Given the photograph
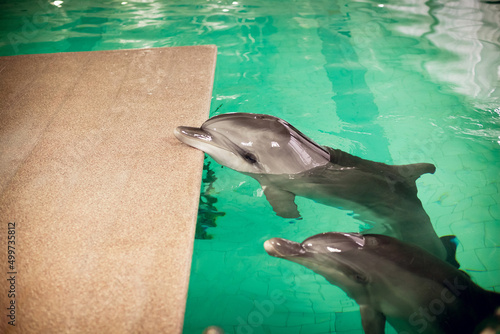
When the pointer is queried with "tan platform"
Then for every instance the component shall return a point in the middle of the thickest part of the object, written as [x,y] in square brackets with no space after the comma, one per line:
[104,198]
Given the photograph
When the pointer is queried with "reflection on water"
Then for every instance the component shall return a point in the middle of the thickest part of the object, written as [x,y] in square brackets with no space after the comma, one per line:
[207,212]
[471,32]
[464,40]
[354,101]
[466,36]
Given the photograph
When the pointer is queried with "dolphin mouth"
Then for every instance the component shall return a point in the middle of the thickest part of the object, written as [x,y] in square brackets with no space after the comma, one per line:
[283,248]
[186,134]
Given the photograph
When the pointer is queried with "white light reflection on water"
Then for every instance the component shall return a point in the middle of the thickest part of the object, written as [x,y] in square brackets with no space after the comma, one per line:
[57,3]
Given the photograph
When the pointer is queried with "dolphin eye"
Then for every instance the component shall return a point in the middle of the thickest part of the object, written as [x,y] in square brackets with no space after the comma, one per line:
[360,278]
[250,158]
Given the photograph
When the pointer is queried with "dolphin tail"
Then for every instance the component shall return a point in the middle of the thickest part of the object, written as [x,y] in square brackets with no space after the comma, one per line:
[450,243]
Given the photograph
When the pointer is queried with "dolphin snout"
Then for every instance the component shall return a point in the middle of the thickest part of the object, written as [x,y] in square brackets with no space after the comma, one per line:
[189,135]
[283,248]
[178,132]
[183,131]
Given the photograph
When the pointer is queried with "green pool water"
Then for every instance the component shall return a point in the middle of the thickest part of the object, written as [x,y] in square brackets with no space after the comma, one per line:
[391,81]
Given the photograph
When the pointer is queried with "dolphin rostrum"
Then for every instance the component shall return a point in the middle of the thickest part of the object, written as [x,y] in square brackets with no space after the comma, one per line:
[394,281]
[287,163]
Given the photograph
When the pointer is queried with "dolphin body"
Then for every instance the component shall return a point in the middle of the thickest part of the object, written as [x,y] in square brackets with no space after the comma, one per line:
[394,281]
[286,163]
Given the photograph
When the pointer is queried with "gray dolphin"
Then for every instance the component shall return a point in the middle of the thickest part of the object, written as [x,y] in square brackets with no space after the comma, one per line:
[394,281]
[287,163]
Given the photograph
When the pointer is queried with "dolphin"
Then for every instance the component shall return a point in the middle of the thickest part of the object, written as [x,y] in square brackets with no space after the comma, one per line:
[287,163]
[391,280]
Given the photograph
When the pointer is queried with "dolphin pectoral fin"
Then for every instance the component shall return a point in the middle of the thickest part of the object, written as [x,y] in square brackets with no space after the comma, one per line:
[373,321]
[282,202]
[450,243]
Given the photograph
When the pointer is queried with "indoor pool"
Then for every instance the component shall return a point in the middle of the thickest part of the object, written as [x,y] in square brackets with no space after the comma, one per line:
[397,82]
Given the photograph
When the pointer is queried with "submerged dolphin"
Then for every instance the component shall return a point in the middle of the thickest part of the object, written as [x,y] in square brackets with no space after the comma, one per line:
[287,163]
[394,281]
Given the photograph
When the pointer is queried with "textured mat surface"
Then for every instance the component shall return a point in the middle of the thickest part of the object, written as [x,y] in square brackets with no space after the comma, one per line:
[103,197]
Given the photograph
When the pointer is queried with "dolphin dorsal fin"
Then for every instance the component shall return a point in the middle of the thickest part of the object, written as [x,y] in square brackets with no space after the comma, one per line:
[393,174]
[413,171]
